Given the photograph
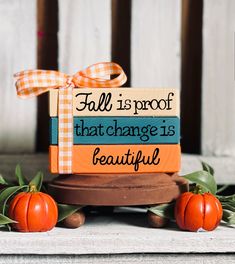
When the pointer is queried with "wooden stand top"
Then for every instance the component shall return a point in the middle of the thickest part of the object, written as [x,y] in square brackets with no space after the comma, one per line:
[117,189]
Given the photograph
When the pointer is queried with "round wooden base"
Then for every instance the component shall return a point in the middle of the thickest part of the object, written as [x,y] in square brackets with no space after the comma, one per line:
[117,189]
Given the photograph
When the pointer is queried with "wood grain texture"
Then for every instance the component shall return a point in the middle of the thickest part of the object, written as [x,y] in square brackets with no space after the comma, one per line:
[137,258]
[155,38]
[17,52]
[163,102]
[114,235]
[121,130]
[218,101]
[136,158]
[84,33]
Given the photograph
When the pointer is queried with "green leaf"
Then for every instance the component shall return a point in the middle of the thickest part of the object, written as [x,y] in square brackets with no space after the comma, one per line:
[204,179]
[229,217]
[5,228]
[20,178]
[37,181]
[65,210]
[164,210]
[228,206]
[7,193]
[3,181]
[207,167]
[4,220]
[229,198]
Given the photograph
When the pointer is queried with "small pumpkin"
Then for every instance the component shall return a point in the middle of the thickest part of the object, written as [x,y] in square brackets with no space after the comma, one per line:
[194,212]
[33,211]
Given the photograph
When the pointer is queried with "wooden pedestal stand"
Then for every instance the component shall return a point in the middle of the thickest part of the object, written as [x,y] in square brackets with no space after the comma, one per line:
[117,189]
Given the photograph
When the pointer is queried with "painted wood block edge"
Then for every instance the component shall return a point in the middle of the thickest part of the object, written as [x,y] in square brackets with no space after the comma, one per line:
[121,158]
[120,102]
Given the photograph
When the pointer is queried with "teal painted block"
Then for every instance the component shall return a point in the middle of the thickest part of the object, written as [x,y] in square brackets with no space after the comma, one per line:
[121,130]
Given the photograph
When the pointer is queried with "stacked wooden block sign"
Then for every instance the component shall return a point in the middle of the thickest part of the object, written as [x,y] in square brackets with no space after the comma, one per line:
[125,143]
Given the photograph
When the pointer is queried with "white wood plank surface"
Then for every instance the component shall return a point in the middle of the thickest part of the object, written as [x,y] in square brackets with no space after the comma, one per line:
[120,259]
[17,52]
[218,85]
[84,33]
[118,233]
[155,40]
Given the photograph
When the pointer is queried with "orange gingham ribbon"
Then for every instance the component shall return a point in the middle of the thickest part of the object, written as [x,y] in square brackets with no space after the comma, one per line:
[35,82]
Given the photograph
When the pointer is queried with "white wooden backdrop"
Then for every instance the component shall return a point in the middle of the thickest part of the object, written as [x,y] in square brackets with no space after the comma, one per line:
[85,38]
[84,33]
[17,52]
[155,38]
[218,86]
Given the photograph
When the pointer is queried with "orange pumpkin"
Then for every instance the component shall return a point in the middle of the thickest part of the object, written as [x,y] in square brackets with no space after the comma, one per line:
[34,212]
[198,211]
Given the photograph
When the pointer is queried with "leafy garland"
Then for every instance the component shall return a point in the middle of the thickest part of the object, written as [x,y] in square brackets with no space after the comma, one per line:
[205,181]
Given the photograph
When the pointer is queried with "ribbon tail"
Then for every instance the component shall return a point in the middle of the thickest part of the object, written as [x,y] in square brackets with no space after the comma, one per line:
[65,130]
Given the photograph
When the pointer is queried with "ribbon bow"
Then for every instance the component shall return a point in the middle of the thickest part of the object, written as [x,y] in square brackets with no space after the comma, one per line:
[35,82]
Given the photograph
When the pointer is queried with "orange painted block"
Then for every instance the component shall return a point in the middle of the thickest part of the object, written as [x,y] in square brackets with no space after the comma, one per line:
[121,158]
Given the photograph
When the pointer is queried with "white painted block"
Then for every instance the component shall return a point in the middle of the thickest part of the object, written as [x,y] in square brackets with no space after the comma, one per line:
[120,102]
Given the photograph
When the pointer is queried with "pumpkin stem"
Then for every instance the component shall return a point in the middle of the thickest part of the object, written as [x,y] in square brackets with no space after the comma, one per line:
[198,189]
[32,188]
